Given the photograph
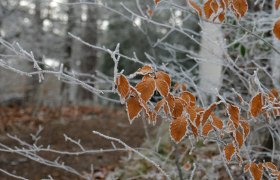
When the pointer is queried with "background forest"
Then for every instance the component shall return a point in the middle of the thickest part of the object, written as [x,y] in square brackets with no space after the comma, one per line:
[62,112]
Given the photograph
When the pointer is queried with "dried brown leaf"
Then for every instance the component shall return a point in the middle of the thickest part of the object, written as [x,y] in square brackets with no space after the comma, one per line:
[178,128]
[256,105]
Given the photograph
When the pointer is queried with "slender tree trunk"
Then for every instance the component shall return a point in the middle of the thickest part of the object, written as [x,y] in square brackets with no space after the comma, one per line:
[65,89]
[88,54]
[210,69]
[34,85]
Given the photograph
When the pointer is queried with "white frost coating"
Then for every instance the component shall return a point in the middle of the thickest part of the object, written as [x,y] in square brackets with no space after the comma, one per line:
[275,58]
[211,53]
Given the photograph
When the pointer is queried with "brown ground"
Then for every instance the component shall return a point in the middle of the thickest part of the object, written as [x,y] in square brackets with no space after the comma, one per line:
[77,123]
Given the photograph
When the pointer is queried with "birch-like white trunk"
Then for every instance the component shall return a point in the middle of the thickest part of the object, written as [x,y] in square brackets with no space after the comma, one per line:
[211,53]
[275,59]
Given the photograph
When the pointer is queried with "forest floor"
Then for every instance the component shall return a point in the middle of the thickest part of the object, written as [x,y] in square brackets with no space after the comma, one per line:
[77,123]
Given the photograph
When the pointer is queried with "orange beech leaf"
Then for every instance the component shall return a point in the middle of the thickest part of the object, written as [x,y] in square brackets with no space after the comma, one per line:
[208,112]
[206,129]
[224,4]
[256,105]
[238,137]
[240,7]
[178,108]
[194,129]
[188,97]
[214,5]
[162,87]
[246,128]
[198,119]
[229,151]
[164,76]
[150,12]
[176,86]
[273,95]
[184,87]
[122,86]
[195,6]
[234,114]
[145,70]
[239,158]
[275,173]
[159,105]
[170,102]
[152,117]
[147,88]
[166,109]
[133,108]
[276,29]
[222,16]
[217,122]
[208,11]
[156,1]
[255,171]
[246,167]
[270,165]
[192,113]
[187,166]
[276,4]
[178,128]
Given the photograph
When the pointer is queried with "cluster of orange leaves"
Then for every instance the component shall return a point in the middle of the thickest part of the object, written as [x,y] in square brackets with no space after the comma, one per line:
[216,10]
[188,118]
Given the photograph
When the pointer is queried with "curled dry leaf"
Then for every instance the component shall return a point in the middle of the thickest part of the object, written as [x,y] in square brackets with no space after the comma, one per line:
[246,167]
[150,12]
[273,95]
[187,166]
[188,97]
[162,87]
[122,86]
[222,16]
[192,113]
[147,88]
[276,29]
[194,129]
[246,128]
[178,128]
[208,112]
[159,105]
[217,122]
[240,7]
[178,108]
[276,4]
[234,114]
[206,129]
[133,108]
[229,151]
[238,138]
[256,171]
[215,6]
[164,76]
[224,4]
[208,11]
[156,1]
[256,105]
[270,165]
[145,70]
[195,6]
[198,119]
[170,102]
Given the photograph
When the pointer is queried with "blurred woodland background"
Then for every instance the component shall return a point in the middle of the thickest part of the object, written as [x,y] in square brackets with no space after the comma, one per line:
[73,43]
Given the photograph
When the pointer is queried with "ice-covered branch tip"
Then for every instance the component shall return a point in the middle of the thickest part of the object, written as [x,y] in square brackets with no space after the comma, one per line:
[133,150]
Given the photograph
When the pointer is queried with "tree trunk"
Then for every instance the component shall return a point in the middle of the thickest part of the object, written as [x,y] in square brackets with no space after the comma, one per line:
[210,69]
[88,54]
